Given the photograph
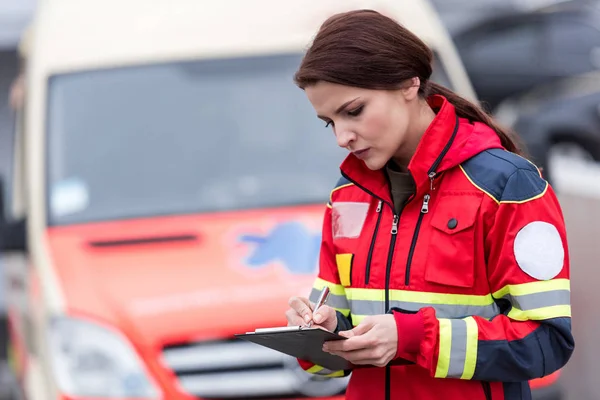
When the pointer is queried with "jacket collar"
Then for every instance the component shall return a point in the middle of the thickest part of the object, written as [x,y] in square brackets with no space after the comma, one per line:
[447,142]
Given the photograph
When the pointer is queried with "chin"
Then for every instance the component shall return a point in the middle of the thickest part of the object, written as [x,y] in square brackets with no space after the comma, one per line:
[374,164]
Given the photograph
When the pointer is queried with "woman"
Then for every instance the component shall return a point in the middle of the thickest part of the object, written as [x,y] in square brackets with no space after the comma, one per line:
[445,250]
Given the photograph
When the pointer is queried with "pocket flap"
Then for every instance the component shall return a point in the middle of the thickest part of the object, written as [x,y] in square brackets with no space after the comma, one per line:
[455,213]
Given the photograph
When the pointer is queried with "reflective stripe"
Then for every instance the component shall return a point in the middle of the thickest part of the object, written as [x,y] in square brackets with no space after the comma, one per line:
[533,287]
[420,297]
[458,348]
[336,301]
[337,295]
[365,308]
[538,300]
[335,288]
[443,363]
[540,314]
[318,370]
[365,302]
[472,345]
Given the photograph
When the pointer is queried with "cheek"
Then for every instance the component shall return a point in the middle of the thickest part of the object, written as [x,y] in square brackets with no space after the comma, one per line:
[377,126]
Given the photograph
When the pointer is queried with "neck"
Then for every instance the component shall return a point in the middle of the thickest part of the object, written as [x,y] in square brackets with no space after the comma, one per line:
[423,118]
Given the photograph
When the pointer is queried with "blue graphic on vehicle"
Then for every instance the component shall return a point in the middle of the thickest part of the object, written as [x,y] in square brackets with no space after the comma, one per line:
[290,243]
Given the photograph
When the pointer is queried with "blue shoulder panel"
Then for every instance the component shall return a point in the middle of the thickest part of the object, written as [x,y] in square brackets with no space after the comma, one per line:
[341,182]
[505,176]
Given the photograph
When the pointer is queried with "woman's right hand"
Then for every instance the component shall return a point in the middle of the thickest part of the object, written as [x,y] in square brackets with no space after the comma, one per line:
[300,313]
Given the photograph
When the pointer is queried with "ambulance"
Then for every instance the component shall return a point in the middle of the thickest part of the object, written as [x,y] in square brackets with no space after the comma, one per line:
[168,191]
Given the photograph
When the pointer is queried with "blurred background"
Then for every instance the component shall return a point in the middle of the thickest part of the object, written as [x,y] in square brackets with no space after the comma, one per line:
[128,129]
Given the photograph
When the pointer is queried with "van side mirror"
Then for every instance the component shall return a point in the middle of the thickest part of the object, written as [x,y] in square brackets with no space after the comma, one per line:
[12,232]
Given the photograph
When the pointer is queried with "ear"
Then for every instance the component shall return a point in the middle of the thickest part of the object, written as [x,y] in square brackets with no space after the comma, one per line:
[411,90]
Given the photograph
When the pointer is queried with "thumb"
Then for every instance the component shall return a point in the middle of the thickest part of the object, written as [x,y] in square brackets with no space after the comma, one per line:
[362,328]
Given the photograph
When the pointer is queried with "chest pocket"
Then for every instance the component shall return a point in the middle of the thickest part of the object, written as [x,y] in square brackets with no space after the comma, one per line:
[451,255]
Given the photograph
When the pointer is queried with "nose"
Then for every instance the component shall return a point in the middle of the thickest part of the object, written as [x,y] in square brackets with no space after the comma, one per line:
[344,137]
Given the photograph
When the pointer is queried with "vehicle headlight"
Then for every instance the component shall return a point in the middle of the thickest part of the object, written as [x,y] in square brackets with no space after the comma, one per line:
[91,360]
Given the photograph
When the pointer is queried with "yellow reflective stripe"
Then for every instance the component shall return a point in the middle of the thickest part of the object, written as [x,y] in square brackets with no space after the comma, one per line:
[318,370]
[334,288]
[363,302]
[419,297]
[540,314]
[472,341]
[533,287]
[457,353]
[365,294]
[335,374]
[314,369]
[445,347]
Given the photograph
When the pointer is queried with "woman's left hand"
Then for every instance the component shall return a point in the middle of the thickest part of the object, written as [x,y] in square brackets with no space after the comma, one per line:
[374,341]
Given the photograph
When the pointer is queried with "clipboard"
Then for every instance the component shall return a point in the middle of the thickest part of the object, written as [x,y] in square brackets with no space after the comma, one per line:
[300,342]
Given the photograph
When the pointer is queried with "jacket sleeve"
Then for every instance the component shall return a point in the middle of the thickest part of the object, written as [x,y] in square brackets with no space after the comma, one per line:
[328,276]
[528,273]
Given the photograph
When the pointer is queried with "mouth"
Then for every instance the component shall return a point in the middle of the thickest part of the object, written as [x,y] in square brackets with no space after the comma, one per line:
[361,153]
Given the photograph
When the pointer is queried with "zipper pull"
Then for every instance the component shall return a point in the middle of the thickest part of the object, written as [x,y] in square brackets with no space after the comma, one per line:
[425,206]
[432,175]
[379,205]
[395,225]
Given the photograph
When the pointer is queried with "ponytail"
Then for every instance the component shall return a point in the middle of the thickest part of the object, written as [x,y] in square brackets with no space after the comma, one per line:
[465,109]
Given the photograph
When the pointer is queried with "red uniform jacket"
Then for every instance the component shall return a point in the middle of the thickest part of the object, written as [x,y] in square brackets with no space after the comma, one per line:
[475,269]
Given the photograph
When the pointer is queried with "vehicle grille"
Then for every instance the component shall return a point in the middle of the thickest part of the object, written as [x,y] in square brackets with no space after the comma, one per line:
[235,369]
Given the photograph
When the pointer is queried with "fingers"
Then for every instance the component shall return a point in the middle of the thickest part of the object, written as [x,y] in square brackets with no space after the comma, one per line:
[352,344]
[293,318]
[376,357]
[303,308]
[324,314]
[365,326]
[358,338]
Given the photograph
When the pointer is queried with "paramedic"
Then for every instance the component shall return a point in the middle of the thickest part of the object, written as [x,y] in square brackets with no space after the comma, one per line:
[443,247]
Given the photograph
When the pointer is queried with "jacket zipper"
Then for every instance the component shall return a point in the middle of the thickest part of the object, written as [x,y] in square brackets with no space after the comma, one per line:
[432,173]
[413,243]
[388,267]
[487,390]
[370,255]
[425,207]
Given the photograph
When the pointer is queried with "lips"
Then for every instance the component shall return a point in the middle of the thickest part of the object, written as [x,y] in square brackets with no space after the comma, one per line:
[361,153]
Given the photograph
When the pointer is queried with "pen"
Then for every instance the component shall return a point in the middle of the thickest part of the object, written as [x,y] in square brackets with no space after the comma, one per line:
[320,302]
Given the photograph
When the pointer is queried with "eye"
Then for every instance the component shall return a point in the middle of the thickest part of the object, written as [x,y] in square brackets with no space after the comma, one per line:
[356,112]
[329,123]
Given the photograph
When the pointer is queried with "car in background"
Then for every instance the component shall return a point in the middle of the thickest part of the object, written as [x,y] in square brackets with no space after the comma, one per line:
[560,121]
[511,53]
[460,15]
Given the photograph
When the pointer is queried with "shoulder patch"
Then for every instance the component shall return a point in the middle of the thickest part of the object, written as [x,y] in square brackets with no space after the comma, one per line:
[539,250]
[505,176]
[341,183]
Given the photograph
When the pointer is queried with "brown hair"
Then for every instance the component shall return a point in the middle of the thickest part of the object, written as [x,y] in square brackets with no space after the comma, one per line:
[366,49]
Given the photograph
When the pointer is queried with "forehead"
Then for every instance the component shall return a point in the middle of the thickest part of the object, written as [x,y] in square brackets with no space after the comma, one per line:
[326,97]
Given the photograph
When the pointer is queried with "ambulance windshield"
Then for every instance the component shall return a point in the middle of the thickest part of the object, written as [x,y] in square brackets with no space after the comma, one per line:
[189,137]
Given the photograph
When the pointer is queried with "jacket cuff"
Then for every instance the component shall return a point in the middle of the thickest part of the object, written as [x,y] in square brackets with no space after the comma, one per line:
[411,330]
[343,323]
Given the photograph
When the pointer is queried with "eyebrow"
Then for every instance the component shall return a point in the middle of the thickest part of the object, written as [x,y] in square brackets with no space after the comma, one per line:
[340,108]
